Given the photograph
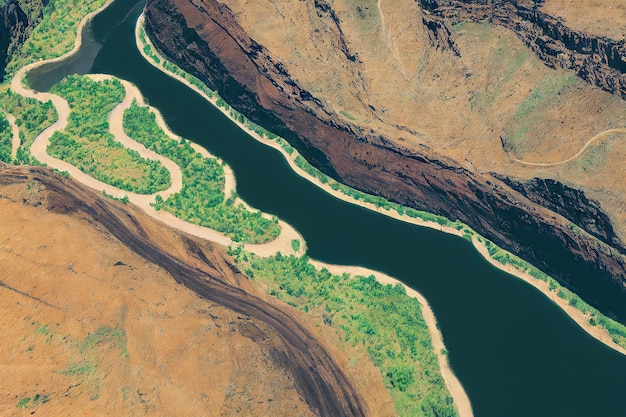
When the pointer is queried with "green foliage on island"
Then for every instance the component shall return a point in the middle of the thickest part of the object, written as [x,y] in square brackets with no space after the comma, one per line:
[6,143]
[382,319]
[201,201]
[87,143]
[55,34]
[31,116]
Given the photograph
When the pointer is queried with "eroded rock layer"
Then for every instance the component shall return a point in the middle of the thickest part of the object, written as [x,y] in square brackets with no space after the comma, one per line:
[129,249]
[206,39]
[597,59]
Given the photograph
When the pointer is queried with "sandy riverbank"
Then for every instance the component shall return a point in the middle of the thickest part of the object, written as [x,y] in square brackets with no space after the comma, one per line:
[281,244]
[461,400]
[581,319]
[454,386]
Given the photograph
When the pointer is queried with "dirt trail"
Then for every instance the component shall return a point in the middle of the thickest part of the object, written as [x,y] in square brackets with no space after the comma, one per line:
[589,142]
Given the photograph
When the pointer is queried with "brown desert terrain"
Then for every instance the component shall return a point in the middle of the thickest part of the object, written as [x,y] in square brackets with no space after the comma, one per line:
[110,312]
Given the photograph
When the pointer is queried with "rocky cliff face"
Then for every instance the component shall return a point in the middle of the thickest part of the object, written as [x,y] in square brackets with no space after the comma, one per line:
[205,38]
[599,60]
[18,20]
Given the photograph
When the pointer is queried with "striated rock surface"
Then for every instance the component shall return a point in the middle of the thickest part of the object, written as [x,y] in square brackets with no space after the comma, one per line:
[597,59]
[400,161]
[113,344]
[18,20]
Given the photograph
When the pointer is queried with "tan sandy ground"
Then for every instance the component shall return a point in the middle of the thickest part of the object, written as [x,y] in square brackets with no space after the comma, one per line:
[600,135]
[15,135]
[599,17]
[64,277]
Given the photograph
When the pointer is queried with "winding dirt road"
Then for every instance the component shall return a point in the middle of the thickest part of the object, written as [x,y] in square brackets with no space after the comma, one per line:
[580,152]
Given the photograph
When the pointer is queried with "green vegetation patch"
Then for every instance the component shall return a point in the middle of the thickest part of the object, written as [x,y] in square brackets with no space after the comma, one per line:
[6,144]
[114,336]
[381,318]
[31,116]
[201,201]
[54,36]
[87,143]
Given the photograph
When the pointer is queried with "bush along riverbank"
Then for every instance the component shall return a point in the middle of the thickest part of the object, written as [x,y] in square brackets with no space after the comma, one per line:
[381,319]
[589,318]
[87,143]
[202,200]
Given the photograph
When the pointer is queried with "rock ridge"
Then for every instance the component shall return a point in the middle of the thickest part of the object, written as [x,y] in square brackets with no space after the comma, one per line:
[212,45]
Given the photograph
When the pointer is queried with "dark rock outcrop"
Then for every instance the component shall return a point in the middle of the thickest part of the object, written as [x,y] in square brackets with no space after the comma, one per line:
[206,40]
[16,25]
[570,203]
[596,59]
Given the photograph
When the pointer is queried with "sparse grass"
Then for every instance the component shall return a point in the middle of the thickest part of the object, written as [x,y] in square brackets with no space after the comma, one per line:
[114,336]
[544,95]
[81,369]
[23,403]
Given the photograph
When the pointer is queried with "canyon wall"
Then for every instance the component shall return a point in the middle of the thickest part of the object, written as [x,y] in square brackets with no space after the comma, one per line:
[18,20]
[597,59]
[205,38]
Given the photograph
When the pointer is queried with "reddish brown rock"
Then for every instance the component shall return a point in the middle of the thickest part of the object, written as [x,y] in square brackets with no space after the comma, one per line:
[205,38]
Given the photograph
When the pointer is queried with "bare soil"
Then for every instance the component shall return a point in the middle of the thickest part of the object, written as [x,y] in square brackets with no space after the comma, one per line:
[91,327]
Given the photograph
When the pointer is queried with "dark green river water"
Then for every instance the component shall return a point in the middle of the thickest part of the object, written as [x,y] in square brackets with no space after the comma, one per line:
[514,351]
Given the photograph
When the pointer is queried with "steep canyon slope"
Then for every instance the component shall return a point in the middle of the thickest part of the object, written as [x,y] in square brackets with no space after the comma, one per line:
[467,109]
[96,320]
[19,17]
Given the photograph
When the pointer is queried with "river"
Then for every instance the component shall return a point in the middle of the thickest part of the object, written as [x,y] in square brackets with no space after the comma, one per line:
[514,351]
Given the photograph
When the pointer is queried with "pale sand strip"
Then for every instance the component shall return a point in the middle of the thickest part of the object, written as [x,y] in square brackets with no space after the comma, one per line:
[15,135]
[230,184]
[454,386]
[38,150]
[461,400]
[598,332]
[116,127]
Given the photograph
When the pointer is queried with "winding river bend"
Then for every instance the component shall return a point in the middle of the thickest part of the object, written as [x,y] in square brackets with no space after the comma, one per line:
[515,352]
